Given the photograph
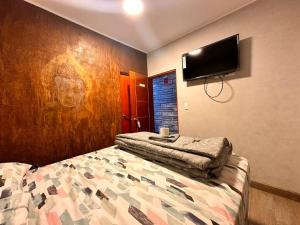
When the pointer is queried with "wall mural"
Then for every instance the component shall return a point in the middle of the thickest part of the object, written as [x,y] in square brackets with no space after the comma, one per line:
[70,89]
[66,89]
[59,86]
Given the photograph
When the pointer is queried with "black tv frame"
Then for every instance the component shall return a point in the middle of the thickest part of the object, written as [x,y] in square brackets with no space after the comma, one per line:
[222,72]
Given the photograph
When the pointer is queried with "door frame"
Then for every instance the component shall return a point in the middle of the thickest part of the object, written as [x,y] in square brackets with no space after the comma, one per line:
[133,95]
[151,103]
[125,74]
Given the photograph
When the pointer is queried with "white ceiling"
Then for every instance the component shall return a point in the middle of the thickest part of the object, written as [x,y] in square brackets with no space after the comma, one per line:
[162,21]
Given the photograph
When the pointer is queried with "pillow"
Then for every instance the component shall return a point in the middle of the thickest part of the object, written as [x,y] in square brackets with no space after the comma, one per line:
[11,177]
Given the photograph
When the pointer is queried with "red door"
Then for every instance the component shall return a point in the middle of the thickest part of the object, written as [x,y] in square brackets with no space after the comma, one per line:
[139,102]
[125,103]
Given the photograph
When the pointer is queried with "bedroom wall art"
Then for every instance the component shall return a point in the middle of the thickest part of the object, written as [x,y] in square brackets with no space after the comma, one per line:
[59,85]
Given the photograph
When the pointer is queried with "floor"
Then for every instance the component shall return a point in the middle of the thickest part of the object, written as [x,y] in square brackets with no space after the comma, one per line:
[269,209]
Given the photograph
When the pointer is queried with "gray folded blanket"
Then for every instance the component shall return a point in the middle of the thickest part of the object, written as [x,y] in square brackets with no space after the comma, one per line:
[201,157]
[171,138]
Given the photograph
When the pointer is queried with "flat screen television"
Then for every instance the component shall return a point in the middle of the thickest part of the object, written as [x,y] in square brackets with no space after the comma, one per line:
[219,58]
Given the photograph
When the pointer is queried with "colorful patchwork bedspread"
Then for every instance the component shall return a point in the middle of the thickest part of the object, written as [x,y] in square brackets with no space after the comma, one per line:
[111,186]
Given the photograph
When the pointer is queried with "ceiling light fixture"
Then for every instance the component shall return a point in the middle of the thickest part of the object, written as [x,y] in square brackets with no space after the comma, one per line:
[133,7]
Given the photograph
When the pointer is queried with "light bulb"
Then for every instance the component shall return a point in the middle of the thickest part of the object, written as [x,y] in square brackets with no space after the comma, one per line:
[133,7]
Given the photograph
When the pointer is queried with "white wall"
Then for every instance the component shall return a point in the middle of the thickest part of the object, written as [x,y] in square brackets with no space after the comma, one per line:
[262,115]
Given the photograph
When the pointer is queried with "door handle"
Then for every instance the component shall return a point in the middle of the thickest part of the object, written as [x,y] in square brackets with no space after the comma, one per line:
[138,123]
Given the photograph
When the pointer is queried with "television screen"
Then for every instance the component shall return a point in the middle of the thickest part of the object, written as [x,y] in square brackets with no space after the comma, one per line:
[219,58]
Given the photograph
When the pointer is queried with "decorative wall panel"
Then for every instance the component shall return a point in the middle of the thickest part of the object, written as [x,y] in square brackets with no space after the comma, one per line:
[59,85]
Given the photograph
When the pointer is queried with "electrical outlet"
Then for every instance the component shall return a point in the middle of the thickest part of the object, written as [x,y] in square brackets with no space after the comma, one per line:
[186,106]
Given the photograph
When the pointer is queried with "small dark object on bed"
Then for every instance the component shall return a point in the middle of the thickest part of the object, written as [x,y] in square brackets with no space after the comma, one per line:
[34,168]
[169,139]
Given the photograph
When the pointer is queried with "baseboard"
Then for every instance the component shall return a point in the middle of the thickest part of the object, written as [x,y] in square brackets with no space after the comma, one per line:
[277,191]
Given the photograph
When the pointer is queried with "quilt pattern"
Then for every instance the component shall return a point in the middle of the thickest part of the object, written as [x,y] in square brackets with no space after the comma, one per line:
[114,187]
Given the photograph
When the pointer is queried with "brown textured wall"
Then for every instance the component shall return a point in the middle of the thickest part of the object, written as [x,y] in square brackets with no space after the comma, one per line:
[59,85]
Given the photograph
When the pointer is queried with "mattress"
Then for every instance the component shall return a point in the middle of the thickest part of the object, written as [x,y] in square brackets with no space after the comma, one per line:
[111,186]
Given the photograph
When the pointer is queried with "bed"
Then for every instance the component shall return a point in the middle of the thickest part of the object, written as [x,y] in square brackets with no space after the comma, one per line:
[111,186]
